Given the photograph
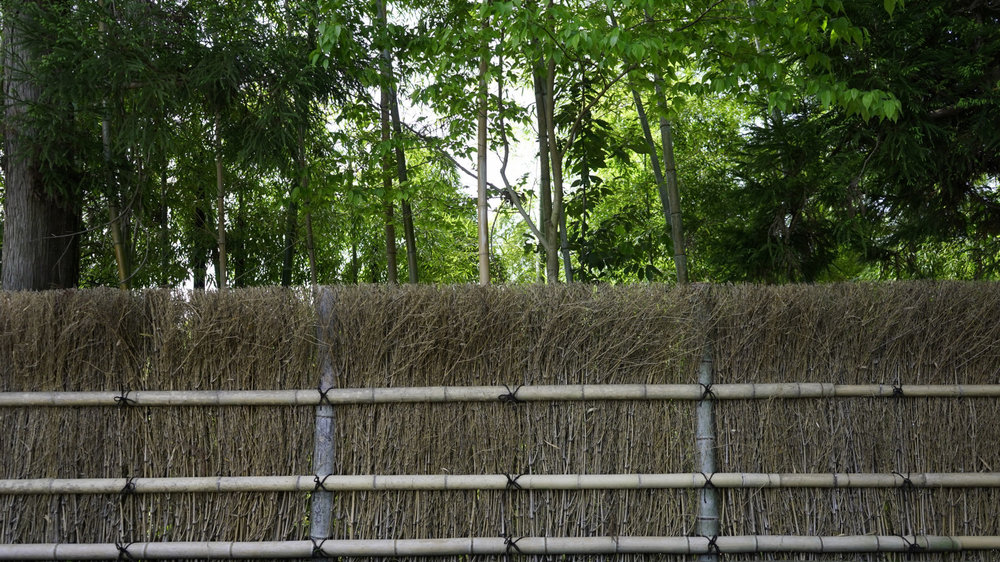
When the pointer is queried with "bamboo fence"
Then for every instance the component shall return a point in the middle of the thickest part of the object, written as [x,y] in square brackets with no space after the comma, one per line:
[535,393]
[937,343]
[538,546]
[444,482]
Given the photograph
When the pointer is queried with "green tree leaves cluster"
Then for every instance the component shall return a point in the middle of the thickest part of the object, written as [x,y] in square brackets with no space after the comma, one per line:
[769,140]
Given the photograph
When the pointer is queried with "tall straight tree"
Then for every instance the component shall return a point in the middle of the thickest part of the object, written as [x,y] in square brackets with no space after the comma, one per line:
[482,216]
[389,82]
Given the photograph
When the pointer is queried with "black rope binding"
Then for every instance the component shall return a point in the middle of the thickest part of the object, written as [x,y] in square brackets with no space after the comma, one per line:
[708,481]
[512,481]
[324,397]
[912,547]
[320,485]
[122,399]
[317,548]
[713,547]
[897,391]
[128,489]
[123,553]
[707,392]
[907,483]
[510,543]
[511,396]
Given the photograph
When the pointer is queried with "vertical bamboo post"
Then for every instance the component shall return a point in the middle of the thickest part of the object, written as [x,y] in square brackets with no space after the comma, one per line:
[708,507]
[321,516]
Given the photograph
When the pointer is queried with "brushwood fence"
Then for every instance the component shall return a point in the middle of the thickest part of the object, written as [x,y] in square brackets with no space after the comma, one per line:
[639,422]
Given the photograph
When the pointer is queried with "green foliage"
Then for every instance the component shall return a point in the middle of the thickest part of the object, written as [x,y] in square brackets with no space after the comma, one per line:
[815,139]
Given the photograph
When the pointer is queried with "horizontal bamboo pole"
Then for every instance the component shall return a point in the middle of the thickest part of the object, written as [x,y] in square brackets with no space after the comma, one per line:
[576,392]
[499,546]
[497,482]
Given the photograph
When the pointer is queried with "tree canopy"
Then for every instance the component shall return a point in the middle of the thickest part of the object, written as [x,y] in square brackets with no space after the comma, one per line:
[260,142]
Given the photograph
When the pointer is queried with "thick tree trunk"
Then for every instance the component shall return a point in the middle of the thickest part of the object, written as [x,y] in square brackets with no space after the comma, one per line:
[41,245]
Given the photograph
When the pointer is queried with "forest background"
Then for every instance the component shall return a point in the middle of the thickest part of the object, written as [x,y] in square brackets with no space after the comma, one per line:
[260,142]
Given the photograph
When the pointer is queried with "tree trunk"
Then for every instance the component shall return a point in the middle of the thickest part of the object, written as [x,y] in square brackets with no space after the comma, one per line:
[557,232]
[673,194]
[114,215]
[238,245]
[164,217]
[41,245]
[291,239]
[409,235]
[220,186]
[199,245]
[482,201]
[389,101]
[545,178]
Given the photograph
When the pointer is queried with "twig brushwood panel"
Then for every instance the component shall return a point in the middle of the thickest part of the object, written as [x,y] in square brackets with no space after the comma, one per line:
[899,334]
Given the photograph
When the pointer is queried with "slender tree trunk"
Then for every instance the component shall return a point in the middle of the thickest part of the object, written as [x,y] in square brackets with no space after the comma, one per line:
[545,178]
[114,215]
[654,153]
[164,216]
[483,203]
[390,103]
[41,244]
[238,246]
[291,239]
[557,233]
[673,194]
[409,234]
[220,187]
[387,206]
[303,171]
[199,250]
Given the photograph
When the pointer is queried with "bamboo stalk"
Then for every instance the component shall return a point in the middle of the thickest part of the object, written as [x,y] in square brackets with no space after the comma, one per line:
[568,393]
[324,447]
[708,507]
[439,482]
[499,546]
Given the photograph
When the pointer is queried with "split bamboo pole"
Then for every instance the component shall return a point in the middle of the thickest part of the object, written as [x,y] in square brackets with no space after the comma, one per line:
[499,546]
[537,393]
[708,507]
[321,508]
[443,482]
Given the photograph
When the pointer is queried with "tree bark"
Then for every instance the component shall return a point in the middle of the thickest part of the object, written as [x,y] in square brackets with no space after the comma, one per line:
[41,244]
